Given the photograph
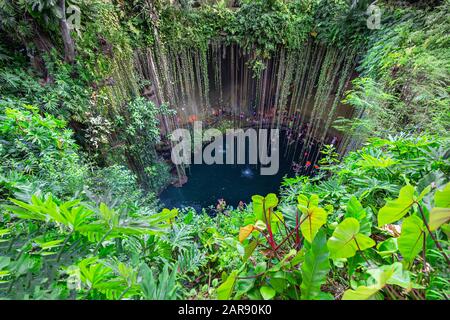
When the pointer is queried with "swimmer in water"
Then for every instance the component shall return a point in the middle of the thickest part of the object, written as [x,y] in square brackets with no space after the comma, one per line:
[247,173]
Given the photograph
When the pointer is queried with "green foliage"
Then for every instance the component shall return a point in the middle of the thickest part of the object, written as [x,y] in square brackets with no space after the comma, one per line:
[396,209]
[162,288]
[410,242]
[404,75]
[312,217]
[387,274]
[39,148]
[380,262]
[346,240]
[372,225]
[315,268]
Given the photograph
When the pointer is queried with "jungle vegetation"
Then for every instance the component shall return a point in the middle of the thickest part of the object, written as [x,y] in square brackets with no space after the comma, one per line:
[90,89]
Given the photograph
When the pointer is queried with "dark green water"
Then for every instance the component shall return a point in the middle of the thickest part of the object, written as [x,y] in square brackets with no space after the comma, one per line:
[233,183]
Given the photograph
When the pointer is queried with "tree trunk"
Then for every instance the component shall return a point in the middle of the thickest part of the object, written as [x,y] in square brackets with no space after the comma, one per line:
[69,45]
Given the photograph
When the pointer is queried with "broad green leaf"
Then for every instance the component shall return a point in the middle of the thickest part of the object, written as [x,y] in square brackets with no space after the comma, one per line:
[249,249]
[225,290]
[410,242]
[356,210]
[446,229]
[311,221]
[424,193]
[278,281]
[271,201]
[361,293]
[387,274]
[436,178]
[438,217]
[346,240]
[394,210]
[257,203]
[242,286]
[315,267]
[442,198]
[304,202]
[399,277]
[387,247]
[261,203]
[267,292]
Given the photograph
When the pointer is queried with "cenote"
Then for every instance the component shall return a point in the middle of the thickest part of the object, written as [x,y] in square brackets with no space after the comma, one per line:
[254,150]
[207,184]
[298,92]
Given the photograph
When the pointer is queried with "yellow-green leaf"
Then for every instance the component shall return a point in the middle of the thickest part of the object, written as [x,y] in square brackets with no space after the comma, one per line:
[387,274]
[394,210]
[225,290]
[442,198]
[361,293]
[267,292]
[410,242]
[438,217]
[346,240]
[311,221]
[304,202]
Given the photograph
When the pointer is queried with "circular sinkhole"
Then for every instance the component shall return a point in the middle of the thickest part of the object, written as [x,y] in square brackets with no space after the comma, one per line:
[207,184]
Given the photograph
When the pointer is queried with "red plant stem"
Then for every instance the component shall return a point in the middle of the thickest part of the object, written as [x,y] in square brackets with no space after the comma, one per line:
[424,250]
[284,240]
[286,229]
[297,226]
[269,229]
[362,254]
[438,245]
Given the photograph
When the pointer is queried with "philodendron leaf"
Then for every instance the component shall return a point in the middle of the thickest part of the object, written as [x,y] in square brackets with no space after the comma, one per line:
[387,247]
[267,292]
[380,277]
[261,203]
[315,267]
[311,221]
[356,210]
[304,202]
[438,217]
[225,290]
[446,229]
[410,242]
[400,277]
[361,293]
[249,249]
[346,240]
[441,213]
[257,203]
[394,210]
[442,198]
[271,201]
